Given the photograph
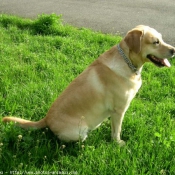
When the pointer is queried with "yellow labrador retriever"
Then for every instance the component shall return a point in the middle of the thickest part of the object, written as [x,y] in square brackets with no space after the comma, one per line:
[105,88]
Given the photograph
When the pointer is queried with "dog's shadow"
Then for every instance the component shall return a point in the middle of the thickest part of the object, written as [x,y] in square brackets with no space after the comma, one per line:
[42,146]
[33,146]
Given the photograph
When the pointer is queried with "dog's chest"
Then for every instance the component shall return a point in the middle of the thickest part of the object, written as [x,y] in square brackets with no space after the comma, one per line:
[132,88]
[124,92]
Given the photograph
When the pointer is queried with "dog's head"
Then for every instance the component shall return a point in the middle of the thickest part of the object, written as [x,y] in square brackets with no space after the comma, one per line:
[148,44]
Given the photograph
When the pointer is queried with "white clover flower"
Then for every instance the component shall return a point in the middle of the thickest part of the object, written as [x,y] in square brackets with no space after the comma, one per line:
[63,146]
[20,137]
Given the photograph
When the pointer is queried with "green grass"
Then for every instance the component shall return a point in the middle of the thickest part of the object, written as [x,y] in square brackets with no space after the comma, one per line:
[38,59]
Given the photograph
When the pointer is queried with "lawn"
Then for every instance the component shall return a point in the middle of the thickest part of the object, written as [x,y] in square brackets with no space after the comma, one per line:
[38,59]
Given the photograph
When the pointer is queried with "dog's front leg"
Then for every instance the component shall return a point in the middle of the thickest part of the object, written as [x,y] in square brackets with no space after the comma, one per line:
[116,124]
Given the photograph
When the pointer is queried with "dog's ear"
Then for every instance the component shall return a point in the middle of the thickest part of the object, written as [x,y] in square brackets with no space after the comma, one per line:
[133,40]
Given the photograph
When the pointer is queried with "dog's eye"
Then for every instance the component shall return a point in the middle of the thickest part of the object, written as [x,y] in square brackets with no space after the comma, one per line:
[156,42]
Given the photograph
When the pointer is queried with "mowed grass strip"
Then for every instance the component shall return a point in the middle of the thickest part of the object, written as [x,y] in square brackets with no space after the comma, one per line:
[38,59]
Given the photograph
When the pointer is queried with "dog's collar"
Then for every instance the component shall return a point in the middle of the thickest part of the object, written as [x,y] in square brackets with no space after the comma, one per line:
[128,61]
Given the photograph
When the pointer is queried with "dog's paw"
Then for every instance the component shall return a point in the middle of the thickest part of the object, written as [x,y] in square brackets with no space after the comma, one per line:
[121,143]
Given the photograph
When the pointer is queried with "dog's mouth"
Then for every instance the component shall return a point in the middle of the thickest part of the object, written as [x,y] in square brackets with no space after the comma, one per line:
[159,61]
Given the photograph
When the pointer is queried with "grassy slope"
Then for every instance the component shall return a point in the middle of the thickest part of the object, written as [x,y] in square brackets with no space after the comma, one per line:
[38,59]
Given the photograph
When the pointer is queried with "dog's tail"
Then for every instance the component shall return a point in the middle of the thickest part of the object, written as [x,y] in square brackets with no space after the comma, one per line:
[26,123]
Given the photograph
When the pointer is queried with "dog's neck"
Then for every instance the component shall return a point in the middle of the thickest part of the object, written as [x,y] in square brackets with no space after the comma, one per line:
[128,61]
